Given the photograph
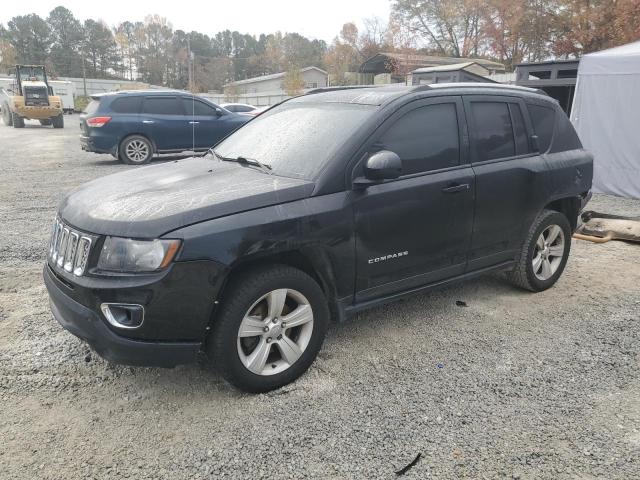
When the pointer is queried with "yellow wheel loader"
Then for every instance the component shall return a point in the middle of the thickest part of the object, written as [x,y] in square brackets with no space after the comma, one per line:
[31,97]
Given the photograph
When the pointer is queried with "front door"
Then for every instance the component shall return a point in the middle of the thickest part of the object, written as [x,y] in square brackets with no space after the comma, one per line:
[416,230]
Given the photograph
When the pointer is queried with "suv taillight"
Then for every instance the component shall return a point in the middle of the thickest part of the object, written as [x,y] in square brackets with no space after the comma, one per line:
[98,121]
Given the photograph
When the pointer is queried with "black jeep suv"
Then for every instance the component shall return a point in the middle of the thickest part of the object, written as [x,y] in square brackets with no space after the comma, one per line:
[327,204]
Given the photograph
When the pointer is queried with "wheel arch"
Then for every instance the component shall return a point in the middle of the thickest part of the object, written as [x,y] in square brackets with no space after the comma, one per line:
[312,261]
[569,207]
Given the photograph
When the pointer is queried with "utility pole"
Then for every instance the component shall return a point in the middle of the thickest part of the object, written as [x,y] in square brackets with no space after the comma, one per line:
[84,76]
[189,65]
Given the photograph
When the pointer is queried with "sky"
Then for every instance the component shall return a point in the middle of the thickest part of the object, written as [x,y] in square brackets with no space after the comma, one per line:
[316,20]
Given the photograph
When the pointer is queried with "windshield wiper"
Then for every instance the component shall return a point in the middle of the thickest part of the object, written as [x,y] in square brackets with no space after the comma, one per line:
[265,167]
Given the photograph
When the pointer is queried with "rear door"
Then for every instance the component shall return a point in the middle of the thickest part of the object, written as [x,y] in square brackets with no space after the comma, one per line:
[163,120]
[511,179]
[416,229]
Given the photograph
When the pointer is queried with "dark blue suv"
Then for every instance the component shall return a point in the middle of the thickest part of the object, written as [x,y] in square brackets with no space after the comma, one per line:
[135,125]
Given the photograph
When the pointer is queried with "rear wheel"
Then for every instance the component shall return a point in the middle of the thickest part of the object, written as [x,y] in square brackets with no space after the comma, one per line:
[58,122]
[7,117]
[135,150]
[17,120]
[270,328]
[544,253]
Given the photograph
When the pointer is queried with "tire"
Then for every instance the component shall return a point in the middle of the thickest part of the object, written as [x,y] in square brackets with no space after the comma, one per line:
[17,121]
[255,293]
[544,253]
[7,116]
[45,122]
[135,150]
[58,122]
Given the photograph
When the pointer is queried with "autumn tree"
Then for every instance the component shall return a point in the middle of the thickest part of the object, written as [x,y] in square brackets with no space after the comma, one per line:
[449,27]
[293,82]
[592,25]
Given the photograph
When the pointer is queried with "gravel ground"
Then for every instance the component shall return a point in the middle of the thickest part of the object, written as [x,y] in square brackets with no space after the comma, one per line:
[515,385]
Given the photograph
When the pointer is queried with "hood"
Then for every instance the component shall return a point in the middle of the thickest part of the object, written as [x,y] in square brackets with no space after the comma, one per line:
[151,201]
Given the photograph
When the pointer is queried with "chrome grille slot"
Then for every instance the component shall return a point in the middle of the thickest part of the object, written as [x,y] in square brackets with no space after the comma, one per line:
[69,249]
[63,246]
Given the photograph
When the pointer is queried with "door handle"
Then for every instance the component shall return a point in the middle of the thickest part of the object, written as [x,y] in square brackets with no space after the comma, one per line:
[194,123]
[148,121]
[456,188]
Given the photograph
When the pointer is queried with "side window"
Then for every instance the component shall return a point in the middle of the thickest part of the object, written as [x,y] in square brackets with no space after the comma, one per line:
[425,138]
[196,107]
[162,106]
[543,119]
[519,129]
[493,131]
[126,105]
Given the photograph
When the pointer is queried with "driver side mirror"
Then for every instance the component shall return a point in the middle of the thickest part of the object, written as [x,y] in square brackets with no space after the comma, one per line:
[382,165]
[219,111]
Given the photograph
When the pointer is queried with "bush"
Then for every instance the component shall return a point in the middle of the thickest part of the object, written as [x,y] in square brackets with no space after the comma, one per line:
[80,103]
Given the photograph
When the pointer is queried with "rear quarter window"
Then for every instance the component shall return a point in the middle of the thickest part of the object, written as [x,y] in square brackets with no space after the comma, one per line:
[126,105]
[92,107]
[543,120]
[565,137]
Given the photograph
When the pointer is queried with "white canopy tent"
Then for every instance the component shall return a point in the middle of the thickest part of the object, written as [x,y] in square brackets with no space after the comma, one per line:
[606,115]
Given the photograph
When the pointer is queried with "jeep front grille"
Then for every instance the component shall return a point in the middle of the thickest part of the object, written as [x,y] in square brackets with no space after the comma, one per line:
[69,249]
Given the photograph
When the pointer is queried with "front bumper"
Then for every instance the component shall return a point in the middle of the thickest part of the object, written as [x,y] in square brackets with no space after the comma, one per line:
[88,325]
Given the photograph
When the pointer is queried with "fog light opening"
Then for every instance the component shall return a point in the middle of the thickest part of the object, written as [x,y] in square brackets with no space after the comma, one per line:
[123,315]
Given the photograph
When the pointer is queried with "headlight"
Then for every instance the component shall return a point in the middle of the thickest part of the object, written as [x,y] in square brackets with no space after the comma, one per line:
[133,256]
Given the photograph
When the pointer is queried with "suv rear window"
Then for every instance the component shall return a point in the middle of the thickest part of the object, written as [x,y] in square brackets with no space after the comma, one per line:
[126,105]
[162,106]
[543,119]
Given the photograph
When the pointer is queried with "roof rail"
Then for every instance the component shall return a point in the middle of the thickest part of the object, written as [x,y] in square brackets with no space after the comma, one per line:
[500,86]
[339,87]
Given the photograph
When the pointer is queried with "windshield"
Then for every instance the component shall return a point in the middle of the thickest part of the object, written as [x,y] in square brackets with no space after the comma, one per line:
[31,73]
[296,140]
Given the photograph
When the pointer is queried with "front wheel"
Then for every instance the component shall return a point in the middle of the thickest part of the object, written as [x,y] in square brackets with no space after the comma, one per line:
[270,328]
[58,122]
[17,121]
[544,253]
[135,150]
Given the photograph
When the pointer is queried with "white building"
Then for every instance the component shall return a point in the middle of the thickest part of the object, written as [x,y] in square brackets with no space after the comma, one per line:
[313,77]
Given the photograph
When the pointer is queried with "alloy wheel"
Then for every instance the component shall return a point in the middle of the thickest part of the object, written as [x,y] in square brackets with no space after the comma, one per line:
[275,332]
[137,150]
[548,252]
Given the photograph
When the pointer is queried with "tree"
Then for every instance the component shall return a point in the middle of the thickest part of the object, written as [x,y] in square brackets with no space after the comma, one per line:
[99,47]
[30,36]
[7,55]
[450,27]
[293,83]
[66,37]
[592,25]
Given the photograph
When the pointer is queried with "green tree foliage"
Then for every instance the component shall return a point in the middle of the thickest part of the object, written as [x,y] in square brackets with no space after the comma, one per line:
[99,48]
[66,41]
[30,35]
